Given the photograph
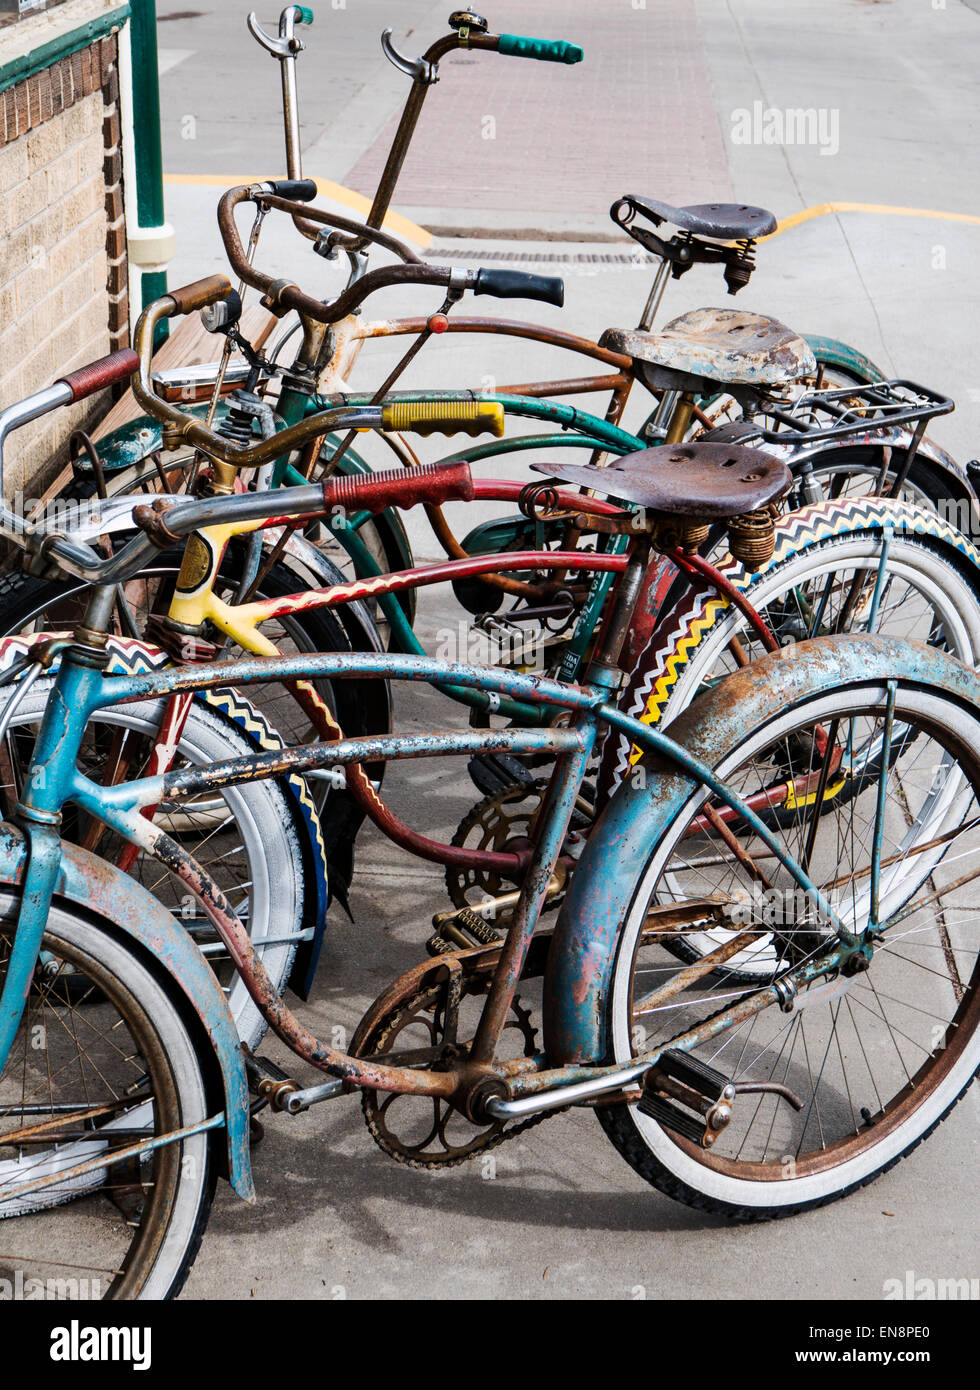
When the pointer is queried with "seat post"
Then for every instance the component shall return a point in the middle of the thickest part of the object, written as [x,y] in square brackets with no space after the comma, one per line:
[655,296]
[680,419]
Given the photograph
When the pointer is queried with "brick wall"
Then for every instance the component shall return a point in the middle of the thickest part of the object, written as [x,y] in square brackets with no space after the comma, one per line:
[63,271]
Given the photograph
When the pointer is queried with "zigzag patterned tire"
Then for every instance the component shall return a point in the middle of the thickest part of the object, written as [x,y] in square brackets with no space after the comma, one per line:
[932,593]
[254,851]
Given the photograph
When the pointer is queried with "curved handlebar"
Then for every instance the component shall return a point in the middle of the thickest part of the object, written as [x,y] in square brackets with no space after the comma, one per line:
[282,295]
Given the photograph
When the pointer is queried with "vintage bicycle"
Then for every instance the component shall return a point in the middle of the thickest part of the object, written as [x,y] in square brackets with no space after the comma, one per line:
[713,233]
[755,1101]
[900,558]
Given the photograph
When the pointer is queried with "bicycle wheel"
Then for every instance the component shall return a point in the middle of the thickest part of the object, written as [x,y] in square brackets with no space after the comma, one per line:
[360,707]
[245,837]
[930,593]
[88,1072]
[875,1063]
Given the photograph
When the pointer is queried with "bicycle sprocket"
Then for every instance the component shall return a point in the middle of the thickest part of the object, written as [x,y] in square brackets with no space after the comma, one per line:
[421,1131]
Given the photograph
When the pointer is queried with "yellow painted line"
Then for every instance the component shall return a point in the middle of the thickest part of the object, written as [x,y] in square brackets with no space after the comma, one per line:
[394,222]
[882,209]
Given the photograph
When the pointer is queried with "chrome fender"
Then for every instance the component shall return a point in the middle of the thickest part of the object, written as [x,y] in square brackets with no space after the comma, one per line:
[103,890]
[578,979]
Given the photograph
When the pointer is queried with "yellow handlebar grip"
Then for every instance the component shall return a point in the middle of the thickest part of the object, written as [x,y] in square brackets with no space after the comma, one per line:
[444,417]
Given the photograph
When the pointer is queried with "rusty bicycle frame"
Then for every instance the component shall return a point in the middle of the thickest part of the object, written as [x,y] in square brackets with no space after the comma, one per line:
[674,410]
[195,602]
[478,1085]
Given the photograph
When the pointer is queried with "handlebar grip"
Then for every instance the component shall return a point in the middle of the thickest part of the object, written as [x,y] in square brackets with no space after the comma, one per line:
[304,15]
[297,190]
[199,293]
[444,417]
[433,484]
[546,50]
[96,376]
[518,284]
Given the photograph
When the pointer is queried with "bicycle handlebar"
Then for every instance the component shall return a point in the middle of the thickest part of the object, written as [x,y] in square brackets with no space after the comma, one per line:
[97,376]
[545,50]
[518,284]
[294,190]
[282,295]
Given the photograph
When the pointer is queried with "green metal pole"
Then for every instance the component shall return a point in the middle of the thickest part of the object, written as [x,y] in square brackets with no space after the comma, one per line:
[148,146]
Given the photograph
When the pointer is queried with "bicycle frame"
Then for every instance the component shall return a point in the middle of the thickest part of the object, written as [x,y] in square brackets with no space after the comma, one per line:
[81,689]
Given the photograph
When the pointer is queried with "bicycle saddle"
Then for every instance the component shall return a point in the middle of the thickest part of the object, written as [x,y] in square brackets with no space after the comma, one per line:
[725,221]
[713,481]
[720,345]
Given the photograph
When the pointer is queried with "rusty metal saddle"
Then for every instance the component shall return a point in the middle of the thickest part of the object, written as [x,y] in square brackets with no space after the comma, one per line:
[718,346]
[713,482]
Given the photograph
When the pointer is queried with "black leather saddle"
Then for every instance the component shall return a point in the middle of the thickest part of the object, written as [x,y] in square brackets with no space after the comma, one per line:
[712,481]
[724,221]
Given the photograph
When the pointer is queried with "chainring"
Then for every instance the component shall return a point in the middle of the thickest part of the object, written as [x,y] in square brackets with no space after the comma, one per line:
[495,823]
[415,1130]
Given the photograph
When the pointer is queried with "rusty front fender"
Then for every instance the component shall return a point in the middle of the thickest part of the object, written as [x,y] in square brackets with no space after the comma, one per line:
[114,897]
[579,975]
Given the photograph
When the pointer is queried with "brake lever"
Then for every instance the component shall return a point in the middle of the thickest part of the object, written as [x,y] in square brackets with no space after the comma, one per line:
[288,43]
[418,69]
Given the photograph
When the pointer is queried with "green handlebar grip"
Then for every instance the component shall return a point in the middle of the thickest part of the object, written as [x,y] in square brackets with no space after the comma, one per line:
[305,15]
[547,50]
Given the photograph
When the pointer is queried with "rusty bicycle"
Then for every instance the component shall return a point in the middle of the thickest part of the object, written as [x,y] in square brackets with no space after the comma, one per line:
[877,564]
[754,1100]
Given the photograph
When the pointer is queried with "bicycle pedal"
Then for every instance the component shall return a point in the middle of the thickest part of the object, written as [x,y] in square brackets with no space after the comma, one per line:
[460,931]
[687,1096]
[267,1079]
[494,773]
[693,1073]
[475,926]
[672,1117]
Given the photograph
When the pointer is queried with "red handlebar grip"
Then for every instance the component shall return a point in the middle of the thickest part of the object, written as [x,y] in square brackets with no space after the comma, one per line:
[96,376]
[400,487]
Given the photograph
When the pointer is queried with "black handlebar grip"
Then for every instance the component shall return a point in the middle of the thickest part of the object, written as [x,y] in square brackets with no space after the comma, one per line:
[296,190]
[517,284]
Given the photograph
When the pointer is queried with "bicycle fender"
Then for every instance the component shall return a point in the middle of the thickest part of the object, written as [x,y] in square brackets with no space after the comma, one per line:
[954,475]
[839,354]
[578,979]
[90,882]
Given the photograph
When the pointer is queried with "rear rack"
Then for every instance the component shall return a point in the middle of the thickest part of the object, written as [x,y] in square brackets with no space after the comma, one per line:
[850,410]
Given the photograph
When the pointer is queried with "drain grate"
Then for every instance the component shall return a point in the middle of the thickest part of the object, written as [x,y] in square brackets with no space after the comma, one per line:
[551,258]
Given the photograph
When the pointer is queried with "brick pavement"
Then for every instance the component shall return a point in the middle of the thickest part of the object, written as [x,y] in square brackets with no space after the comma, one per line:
[637,114]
